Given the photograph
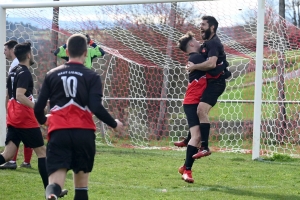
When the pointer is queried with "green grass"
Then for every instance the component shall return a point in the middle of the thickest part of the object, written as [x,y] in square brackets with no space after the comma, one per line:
[244,111]
[136,174]
[281,158]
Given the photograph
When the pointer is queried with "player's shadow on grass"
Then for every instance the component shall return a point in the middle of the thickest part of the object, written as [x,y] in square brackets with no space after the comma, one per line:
[248,193]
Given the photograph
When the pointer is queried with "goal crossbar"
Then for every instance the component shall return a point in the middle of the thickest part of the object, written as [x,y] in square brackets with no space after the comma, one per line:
[84,3]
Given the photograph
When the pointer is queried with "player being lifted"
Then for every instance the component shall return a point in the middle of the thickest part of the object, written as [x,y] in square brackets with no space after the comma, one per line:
[197,85]
[93,51]
[213,50]
[75,94]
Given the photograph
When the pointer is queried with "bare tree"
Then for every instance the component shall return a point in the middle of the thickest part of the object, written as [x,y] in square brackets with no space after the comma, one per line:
[292,10]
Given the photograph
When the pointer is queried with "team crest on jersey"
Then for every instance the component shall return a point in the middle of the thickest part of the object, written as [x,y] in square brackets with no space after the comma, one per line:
[203,50]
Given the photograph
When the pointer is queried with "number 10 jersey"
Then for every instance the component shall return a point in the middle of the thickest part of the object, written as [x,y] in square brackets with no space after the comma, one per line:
[68,88]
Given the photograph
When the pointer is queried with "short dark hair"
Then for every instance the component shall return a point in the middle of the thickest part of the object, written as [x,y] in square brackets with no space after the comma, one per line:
[76,45]
[184,40]
[211,22]
[21,50]
[10,44]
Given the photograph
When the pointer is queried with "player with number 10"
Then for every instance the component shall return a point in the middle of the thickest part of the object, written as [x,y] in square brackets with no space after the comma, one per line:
[75,94]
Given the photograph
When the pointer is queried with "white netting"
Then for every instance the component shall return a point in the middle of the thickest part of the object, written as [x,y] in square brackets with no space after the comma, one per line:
[143,74]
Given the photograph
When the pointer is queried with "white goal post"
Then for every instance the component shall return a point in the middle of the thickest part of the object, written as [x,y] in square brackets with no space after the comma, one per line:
[258,63]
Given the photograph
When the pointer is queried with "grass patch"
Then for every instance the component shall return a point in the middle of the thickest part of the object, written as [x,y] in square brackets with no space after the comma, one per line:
[280,158]
[134,174]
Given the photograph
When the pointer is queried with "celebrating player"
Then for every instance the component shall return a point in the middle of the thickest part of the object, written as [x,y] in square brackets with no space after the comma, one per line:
[197,85]
[75,93]
[92,52]
[213,50]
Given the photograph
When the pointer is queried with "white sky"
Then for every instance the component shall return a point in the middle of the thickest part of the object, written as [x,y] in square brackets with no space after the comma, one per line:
[228,12]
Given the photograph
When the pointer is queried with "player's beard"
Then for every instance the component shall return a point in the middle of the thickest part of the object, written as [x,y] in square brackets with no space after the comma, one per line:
[31,61]
[207,34]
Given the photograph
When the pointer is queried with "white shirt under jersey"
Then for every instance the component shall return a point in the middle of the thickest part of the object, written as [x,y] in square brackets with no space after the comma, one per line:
[14,63]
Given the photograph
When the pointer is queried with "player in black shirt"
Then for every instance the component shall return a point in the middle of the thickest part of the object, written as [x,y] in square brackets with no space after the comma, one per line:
[197,85]
[21,122]
[213,50]
[9,54]
[75,94]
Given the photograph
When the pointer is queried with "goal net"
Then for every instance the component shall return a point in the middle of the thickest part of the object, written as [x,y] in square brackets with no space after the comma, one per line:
[143,71]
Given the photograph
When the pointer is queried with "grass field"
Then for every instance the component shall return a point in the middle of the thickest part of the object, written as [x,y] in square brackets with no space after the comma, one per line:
[238,89]
[136,174]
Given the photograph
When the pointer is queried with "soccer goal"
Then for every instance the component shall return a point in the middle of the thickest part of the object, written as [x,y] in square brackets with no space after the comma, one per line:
[143,75]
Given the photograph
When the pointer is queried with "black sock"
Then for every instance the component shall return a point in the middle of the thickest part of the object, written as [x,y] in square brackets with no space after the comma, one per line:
[2,160]
[187,139]
[204,129]
[43,171]
[53,189]
[81,194]
[189,161]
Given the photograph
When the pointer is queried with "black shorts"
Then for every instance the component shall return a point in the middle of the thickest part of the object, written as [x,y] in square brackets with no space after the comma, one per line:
[71,149]
[31,137]
[214,89]
[190,111]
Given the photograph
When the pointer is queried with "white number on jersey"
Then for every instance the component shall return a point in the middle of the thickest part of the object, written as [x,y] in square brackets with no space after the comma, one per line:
[68,82]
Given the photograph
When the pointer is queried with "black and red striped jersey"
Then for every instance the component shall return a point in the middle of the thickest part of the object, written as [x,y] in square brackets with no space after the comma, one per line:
[75,93]
[19,115]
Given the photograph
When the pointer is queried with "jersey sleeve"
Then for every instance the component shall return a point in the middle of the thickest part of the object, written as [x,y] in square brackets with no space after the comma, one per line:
[61,52]
[95,51]
[213,48]
[96,85]
[8,86]
[42,102]
[23,81]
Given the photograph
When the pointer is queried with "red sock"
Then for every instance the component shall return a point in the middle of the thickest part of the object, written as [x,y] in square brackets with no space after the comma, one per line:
[16,155]
[27,154]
